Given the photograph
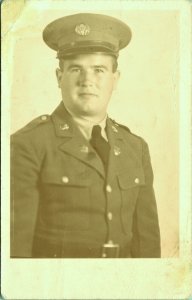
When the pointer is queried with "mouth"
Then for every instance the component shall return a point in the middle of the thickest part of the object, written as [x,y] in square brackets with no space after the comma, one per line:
[87,94]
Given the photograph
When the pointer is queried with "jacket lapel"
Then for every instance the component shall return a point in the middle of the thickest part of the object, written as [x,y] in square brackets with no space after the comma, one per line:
[122,156]
[73,142]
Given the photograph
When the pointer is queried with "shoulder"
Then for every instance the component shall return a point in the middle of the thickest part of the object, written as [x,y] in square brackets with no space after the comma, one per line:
[132,140]
[34,134]
[127,133]
[136,143]
[39,123]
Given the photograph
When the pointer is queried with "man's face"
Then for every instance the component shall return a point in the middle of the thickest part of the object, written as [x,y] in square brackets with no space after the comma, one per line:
[87,82]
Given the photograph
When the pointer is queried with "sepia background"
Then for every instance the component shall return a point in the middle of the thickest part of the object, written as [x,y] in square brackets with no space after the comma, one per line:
[147,100]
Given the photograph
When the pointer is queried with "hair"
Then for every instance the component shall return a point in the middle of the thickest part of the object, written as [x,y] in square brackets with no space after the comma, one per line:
[114,61]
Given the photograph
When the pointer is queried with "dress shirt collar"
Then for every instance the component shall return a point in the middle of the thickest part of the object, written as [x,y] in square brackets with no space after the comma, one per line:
[86,125]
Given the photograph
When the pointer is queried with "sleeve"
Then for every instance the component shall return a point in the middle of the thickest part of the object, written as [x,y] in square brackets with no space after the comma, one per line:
[146,232]
[24,195]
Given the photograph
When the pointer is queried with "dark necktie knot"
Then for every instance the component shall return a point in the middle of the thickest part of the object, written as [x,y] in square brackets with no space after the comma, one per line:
[96,132]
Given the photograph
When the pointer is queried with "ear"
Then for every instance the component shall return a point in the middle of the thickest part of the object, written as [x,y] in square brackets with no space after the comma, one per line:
[116,79]
[59,76]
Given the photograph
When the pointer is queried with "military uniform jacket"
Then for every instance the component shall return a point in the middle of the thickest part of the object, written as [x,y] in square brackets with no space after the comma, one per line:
[60,193]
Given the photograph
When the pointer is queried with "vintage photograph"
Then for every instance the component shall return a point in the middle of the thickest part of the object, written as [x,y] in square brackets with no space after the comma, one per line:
[94,138]
[82,184]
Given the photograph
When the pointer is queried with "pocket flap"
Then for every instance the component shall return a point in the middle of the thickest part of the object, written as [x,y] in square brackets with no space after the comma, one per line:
[131,178]
[65,179]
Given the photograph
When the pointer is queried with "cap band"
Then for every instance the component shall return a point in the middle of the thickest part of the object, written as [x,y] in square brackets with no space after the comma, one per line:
[87,46]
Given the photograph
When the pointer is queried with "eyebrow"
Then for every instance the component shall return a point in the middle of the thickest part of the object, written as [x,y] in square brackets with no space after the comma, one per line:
[100,66]
[93,67]
[74,66]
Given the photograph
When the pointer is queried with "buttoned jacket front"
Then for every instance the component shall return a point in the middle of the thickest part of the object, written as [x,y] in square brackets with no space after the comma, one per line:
[61,193]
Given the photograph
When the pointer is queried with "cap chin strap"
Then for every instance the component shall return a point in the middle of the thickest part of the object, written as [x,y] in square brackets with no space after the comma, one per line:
[87,48]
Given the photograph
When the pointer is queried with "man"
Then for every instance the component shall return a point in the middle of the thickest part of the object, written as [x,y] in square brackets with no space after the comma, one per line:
[82,185]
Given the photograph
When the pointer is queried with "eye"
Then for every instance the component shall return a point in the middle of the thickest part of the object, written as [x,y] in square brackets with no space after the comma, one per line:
[99,70]
[75,70]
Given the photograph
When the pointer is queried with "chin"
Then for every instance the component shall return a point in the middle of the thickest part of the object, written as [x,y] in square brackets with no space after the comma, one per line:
[95,115]
[88,113]
[87,110]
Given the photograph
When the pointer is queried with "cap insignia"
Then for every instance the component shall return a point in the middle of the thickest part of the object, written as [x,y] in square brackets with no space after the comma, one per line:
[82,29]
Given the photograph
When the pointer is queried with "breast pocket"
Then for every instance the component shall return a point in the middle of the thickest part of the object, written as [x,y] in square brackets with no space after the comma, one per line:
[65,200]
[130,183]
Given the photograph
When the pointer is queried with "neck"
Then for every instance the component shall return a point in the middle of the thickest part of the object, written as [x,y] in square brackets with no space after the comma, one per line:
[90,119]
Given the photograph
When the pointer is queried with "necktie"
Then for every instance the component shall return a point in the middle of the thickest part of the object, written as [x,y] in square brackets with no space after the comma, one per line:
[100,144]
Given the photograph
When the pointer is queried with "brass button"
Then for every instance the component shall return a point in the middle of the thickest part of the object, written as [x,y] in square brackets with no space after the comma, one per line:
[110,216]
[108,188]
[43,118]
[65,179]
[136,180]
[64,126]
[110,242]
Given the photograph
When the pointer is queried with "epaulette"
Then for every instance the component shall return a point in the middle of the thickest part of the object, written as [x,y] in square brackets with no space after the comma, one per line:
[34,123]
[120,125]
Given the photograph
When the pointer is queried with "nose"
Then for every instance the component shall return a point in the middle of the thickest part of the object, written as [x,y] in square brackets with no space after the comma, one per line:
[85,79]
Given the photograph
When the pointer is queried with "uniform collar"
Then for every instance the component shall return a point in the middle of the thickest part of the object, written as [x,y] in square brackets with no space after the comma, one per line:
[63,122]
[73,142]
[67,124]
[122,155]
[86,125]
